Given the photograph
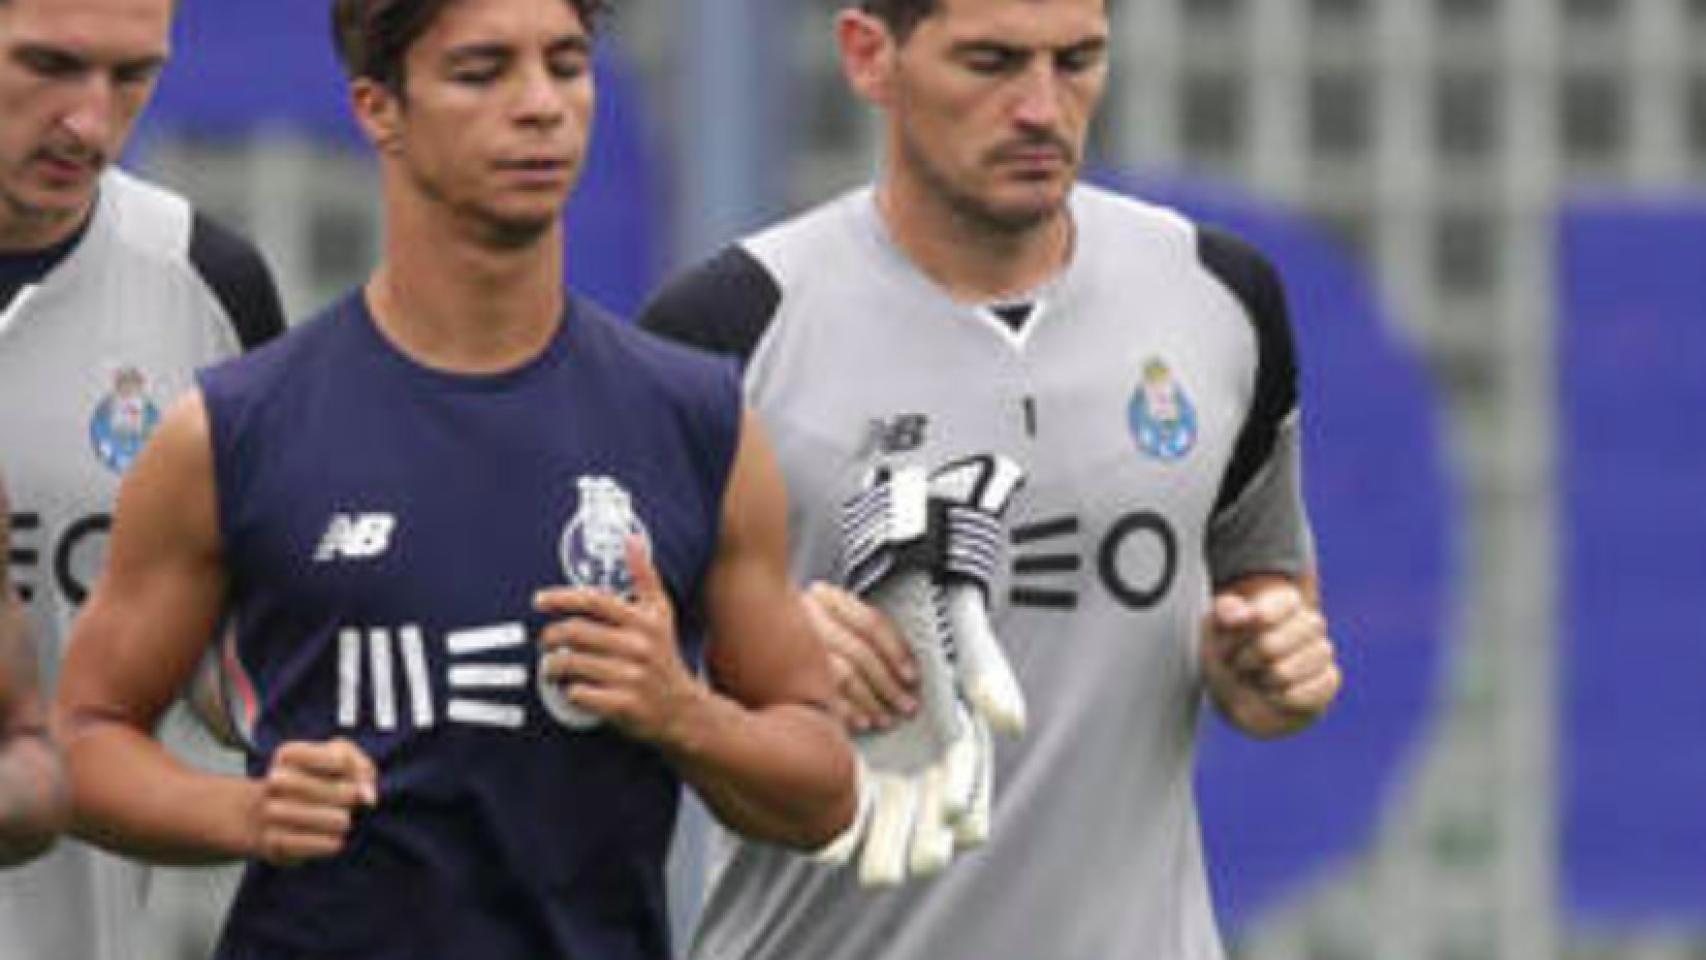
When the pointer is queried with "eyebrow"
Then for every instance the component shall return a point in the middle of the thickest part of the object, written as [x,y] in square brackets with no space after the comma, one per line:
[1088,45]
[72,58]
[990,45]
[572,44]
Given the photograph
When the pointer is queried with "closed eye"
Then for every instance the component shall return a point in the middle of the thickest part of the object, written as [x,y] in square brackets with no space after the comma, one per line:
[50,63]
[992,59]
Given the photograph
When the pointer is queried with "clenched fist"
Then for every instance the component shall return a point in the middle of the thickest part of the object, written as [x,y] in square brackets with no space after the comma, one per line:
[309,799]
[1267,659]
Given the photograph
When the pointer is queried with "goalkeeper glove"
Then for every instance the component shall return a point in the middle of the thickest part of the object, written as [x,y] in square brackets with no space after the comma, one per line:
[923,550]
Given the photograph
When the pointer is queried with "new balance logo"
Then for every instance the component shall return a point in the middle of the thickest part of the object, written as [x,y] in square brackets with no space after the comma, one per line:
[355,536]
[899,434]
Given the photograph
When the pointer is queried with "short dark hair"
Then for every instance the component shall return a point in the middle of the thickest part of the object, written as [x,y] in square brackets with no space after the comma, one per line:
[900,16]
[373,37]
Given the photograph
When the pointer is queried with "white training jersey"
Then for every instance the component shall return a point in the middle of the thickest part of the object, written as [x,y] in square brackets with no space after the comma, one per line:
[91,355]
[1151,397]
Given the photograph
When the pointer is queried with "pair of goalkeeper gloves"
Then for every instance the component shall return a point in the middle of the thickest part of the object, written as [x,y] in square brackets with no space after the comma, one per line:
[923,549]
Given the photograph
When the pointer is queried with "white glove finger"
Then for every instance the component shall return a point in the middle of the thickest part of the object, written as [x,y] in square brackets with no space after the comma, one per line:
[972,828]
[985,675]
[932,836]
[890,830]
[960,768]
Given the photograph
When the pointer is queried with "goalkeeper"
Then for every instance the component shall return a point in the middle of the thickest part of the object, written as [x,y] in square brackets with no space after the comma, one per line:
[978,300]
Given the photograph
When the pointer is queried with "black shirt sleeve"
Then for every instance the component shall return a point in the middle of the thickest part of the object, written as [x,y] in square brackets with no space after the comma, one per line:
[239,278]
[1256,284]
[723,306]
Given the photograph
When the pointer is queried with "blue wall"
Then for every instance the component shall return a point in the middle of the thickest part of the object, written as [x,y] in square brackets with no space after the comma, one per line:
[1632,374]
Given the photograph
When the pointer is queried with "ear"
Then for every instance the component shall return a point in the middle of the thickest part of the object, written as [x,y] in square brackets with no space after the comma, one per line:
[378,112]
[867,54]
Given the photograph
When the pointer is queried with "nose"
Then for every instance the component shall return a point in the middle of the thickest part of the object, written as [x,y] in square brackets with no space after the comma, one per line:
[1039,96]
[540,98]
[90,114]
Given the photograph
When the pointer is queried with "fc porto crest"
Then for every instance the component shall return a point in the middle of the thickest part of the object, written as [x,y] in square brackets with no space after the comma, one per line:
[1163,419]
[123,420]
[594,544]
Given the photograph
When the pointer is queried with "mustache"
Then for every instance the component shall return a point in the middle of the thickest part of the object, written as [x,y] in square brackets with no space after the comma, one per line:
[1014,149]
[74,151]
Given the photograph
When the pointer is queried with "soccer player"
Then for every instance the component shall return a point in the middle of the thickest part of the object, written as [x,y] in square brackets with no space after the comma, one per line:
[474,534]
[32,786]
[1139,368]
[112,292]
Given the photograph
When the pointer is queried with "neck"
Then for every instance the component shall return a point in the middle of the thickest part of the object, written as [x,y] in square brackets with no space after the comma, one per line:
[973,261]
[455,301]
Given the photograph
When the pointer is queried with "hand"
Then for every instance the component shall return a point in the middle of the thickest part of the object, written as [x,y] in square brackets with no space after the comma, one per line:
[1267,658]
[309,799]
[876,678]
[618,659]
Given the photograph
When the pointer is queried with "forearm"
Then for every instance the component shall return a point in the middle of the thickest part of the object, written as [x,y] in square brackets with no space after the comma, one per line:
[133,797]
[783,773]
[33,805]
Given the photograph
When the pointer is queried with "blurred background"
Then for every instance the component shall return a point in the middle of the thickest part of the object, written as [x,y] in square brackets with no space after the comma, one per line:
[1491,218]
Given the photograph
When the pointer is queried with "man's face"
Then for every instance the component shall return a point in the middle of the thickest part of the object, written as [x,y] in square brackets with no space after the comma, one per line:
[496,114]
[991,101]
[74,75]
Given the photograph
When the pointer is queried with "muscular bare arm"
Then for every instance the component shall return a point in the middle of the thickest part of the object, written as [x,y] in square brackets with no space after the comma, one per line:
[782,769]
[759,743]
[136,643]
[33,805]
[134,646]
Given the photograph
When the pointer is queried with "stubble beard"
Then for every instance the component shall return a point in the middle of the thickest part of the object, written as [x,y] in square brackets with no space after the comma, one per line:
[976,212]
[494,229]
[23,218]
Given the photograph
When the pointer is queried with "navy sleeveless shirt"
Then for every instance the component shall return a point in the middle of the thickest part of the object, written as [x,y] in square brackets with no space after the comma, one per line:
[385,526]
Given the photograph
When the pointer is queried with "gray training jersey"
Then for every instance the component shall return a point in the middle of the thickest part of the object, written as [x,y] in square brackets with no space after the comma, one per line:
[91,355]
[1151,396]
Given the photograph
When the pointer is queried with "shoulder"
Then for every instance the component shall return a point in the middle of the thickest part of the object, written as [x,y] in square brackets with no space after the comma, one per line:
[1255,283]
[726,304]
[1122,232]
[276,367]
[723,305]
[677,370]
[1245,271]
[233,269]
[697,392]
[1121,222]
[161,229]
[1116,221]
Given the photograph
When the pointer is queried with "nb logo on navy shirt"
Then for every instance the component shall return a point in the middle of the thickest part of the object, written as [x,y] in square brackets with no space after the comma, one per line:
[355,536]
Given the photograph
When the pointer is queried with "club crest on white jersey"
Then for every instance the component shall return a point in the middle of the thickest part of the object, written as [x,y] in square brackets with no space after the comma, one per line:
[593,546]
[123,420]
[355,536]
[1163,419]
